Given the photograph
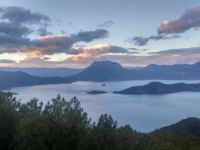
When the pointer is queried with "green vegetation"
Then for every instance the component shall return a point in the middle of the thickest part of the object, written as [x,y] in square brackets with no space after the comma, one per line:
[161,88]
[62,125]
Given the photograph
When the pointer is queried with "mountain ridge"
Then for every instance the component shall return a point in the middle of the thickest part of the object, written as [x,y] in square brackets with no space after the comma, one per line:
[112,71]
[161,88]
[101,71]
[189,125]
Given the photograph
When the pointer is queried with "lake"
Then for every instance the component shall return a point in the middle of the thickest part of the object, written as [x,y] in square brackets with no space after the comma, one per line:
[143,112]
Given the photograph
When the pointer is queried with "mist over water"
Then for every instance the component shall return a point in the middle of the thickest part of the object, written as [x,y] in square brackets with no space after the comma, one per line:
[143,112]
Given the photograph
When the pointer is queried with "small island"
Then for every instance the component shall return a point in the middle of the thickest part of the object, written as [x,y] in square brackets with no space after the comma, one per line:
[103,84]
[94,92]
[161,88]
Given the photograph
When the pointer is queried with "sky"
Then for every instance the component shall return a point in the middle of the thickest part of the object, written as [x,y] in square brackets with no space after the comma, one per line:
[74,33]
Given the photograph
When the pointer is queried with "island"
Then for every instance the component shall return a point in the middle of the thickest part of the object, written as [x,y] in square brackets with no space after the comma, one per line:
[96,92]
[103,84]
[161,88]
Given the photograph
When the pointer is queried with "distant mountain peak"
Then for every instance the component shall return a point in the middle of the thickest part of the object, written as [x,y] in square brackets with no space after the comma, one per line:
[102,71]
[105,63]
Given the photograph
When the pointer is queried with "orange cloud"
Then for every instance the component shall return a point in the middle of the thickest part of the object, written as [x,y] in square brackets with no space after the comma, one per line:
[93,51]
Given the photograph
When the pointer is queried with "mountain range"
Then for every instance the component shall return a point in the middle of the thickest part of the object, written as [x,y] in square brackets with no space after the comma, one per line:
[112,71]
[99,71]
[44,72]
[17,79]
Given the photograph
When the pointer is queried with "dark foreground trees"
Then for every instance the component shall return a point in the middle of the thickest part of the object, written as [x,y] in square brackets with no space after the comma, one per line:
[62,125]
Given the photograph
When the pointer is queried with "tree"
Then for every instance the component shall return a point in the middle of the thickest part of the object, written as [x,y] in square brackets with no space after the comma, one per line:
[8,120]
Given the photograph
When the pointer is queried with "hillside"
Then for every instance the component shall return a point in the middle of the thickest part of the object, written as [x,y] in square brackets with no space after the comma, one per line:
[161,88]
[17,79]
[189,126]
[102,71]
[44,72]
[61,124]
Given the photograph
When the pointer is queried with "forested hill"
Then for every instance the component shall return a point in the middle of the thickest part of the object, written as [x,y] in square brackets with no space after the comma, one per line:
[17,79]
[189,126]
[161,88]
[43,72]
[62,125]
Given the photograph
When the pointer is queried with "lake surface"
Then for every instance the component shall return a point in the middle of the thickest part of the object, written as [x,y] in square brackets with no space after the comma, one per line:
[143,112]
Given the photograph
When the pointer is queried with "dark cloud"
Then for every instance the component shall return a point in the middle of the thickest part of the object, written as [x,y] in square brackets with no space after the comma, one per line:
[179,51]
[107,24]
[58,44]
[52,44]
[88,36]
[13,36]
[133,48]
[6,61]
[167,29]
[20,15]
[117,49]
[15,27]
[166,57]
[141,41]
[12,43]
[190,19]
[43,31]
[12,29]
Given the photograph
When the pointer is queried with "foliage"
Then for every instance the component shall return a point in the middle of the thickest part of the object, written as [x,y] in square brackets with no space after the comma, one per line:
[63,125]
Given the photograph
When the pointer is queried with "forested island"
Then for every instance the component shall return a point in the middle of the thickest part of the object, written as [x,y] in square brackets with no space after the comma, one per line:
[94,92]
[61,125]
[161,88]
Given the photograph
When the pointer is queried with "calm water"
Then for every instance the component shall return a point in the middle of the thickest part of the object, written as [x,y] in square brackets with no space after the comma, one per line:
[143,112]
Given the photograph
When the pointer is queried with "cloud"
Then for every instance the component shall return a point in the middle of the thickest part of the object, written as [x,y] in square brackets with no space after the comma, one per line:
[108,52]
[91,53]
[107,24]
[19,15]
[189,20]
[166,57]
[16,30]
[49,44]
[141,41]
[9,43]
[6,61]
[7,28]
[16,27]
[13,37]
[169,29]
[88,36]
[52,44]
[133,48]
[43,31]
